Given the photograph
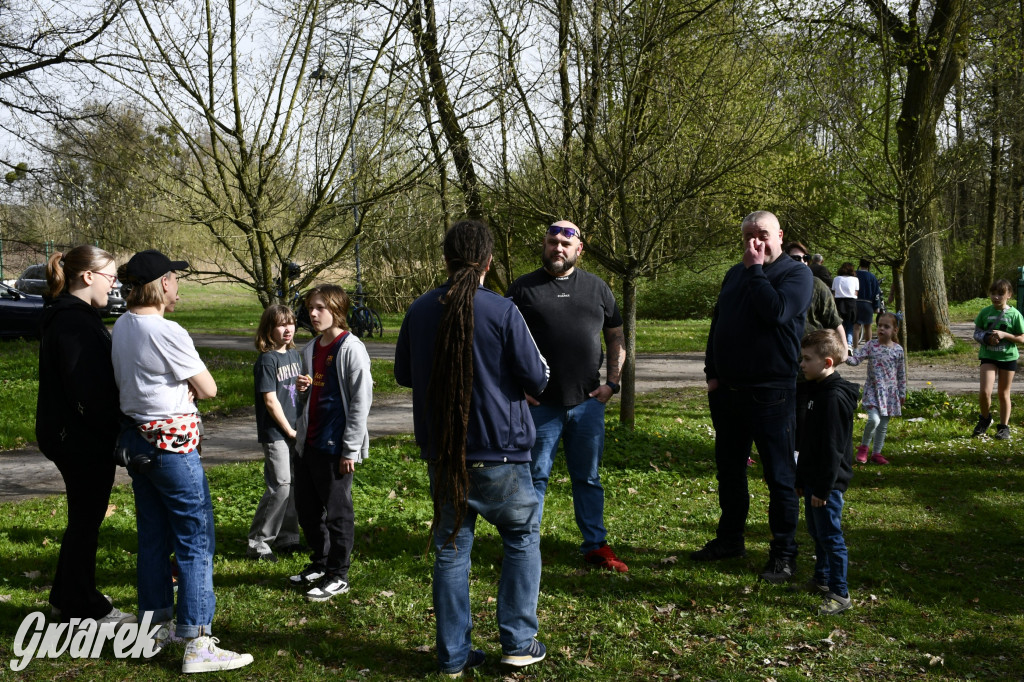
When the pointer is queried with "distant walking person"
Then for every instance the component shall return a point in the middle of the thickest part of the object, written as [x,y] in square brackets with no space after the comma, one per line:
[869,302]
[819,270]
[751,366]
[77,419]
[844,288]
[998,328]
[470,360]
[278,378]
[567,311]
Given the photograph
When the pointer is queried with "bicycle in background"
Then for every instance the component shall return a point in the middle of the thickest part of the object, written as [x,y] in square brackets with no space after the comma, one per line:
[364,321]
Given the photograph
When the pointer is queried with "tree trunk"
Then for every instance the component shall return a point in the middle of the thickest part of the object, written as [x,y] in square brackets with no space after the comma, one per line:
[627,404]
[989,267]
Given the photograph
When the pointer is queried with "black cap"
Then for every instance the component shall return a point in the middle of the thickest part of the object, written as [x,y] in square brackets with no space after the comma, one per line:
[146,266]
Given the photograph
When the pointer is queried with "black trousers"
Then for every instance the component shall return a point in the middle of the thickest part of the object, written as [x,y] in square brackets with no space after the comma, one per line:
[88,479]
[323,503]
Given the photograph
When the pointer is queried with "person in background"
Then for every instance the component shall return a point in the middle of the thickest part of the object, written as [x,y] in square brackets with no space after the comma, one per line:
[159,375]
[819,270]
[822,313]
[470,360]
[78,419]
[278,377]
[885,389]
[998,328]
[844,288]
[869,298]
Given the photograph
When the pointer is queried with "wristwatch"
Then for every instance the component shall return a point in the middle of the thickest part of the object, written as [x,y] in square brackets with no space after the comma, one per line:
[612,385]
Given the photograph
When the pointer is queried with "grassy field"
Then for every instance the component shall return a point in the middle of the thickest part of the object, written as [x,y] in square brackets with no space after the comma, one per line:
[935,570]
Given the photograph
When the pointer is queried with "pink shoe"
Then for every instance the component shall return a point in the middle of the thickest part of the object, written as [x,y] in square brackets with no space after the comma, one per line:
[862,454]
[878,459]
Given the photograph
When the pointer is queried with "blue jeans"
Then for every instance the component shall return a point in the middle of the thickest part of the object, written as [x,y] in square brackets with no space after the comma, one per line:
[503,494]
[825,526]
[174,513]
[766,417]
[581,429]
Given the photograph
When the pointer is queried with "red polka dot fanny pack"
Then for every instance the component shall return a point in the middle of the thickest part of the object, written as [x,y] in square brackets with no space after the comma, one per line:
[177,434]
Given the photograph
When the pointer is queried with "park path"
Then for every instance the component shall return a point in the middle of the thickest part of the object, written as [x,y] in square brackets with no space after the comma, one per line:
[26,473]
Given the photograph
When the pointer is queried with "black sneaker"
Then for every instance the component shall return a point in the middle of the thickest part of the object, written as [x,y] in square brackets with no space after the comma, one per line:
[309,575]
[1002,432]
[778,571]
[982,427]
[716,549]
[475,660]
[534,652]
[327,587]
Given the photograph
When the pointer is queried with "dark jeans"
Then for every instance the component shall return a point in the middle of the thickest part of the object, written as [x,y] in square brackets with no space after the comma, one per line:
[88,479]
[323,502]
[765,417]
[825,525]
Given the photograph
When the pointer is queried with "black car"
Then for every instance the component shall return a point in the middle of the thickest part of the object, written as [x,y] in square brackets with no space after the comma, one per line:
[33,281]
[20,313]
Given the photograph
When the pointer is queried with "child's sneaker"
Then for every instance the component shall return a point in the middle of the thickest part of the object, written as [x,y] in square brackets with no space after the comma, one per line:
[878,459]
[1002,432]
[832,604]
[862,454]
[202,655]
[166,635]
[982,427]
[534,652]
[327,587]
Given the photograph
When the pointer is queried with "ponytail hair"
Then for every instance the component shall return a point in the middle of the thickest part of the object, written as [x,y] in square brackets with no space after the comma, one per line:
[64,268]
[467,251]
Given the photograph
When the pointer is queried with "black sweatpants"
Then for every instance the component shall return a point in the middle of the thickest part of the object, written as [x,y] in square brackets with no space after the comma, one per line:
[323,502]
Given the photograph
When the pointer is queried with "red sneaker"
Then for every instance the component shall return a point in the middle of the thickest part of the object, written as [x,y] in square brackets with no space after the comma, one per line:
[862,454]
[604,557]
[878,459]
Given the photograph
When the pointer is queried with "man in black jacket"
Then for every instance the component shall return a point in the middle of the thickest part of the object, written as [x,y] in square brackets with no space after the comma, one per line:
[751,367]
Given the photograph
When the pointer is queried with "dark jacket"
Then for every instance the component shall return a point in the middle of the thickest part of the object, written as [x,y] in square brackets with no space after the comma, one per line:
[77,411]
[506,365]
[824,434]
[757,324]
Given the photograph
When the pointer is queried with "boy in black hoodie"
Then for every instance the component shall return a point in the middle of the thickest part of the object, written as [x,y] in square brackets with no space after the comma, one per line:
[824,441]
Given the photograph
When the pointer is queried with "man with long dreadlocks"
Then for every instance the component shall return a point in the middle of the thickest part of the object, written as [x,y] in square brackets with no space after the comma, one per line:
[470,360]
[567,310]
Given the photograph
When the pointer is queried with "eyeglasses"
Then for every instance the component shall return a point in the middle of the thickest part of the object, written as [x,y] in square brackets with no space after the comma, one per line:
[569,232]
[800,259]
[110,278]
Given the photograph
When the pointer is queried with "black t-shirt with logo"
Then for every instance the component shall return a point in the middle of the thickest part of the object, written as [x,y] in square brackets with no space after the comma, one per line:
[566,316]
[276,373]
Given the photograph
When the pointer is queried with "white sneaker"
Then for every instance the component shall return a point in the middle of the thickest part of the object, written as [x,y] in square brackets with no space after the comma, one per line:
[116,616]
[166,635]
[202,655]
[327,587]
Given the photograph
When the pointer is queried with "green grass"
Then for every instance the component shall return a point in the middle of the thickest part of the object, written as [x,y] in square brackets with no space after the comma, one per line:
[935,570]
[232,369]
[672,336]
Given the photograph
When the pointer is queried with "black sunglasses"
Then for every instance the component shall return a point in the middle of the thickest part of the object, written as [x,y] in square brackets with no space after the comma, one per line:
[800,259]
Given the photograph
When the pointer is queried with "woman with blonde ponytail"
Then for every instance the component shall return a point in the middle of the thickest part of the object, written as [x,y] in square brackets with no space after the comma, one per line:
[470,360]
[77,419]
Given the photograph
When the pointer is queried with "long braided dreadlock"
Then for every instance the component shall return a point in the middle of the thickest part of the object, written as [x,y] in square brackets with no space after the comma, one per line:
[467,252]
